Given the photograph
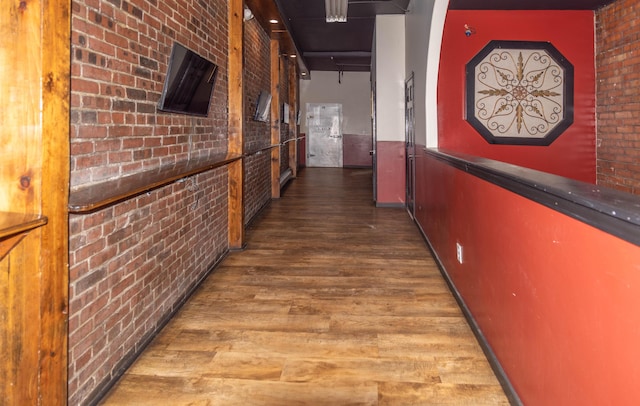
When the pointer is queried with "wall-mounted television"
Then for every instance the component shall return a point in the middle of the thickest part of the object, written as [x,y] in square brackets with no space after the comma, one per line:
[263,106]
[189,83]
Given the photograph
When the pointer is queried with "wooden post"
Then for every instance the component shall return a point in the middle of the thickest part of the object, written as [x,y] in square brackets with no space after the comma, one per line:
[275,118]
[34,188]
[293,116]
[55,197]
[236,136]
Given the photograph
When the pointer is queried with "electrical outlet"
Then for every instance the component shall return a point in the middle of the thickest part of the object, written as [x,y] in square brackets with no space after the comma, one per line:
[459,253]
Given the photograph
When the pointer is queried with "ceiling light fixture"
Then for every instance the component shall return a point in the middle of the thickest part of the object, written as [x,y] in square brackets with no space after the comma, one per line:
[248,15]
[336,11]
[273,21]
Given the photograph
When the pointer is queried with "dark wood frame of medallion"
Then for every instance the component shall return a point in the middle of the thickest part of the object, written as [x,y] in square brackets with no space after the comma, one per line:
[567,118]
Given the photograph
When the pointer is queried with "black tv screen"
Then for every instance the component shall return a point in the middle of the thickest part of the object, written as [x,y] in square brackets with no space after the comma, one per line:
[189,83]
[262,107]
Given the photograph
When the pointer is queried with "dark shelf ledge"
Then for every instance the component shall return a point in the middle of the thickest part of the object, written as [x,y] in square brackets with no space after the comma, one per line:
[609,210]
[259,150]
[99,195]
[15,223]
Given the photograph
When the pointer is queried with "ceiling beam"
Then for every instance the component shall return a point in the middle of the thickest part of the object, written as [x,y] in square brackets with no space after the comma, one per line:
[265,10]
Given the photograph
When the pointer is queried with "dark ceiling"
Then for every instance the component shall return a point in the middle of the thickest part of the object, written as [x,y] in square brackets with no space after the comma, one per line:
[347,46]
[336,46]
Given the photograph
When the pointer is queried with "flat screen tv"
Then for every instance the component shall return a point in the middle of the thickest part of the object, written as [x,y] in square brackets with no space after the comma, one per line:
[189,83]
[262,107]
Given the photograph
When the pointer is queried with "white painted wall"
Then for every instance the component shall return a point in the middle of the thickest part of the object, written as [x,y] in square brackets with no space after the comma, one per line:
[424,26]
[417,23]
[401,45]
[354,93]
[389,60]
[433,65]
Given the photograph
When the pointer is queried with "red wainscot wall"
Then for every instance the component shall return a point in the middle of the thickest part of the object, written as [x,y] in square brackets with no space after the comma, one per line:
[302,150]
[555,298]
[356,150]
[572,32]
[390,173]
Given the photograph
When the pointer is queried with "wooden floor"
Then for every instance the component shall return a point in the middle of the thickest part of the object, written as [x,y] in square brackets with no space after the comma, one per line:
[334,302]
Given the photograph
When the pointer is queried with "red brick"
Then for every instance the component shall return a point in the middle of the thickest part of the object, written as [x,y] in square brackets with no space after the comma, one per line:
[617,94]
[167,227]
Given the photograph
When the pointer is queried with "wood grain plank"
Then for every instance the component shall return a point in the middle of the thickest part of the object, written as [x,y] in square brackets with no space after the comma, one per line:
[353,369]
[350,310]
[16,223]
[255,343]
[235,143]
[20,317]
[34,112]
[96,196]
[235,226]
[429,346]
[407,393]
[275,117]
[56,51]
[144,390]
[293,116]
[20,101]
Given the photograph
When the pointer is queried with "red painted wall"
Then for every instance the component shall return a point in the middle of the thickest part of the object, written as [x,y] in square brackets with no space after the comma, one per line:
[390,173]
[355,150]
[302,150]
[572,32]
[556,299]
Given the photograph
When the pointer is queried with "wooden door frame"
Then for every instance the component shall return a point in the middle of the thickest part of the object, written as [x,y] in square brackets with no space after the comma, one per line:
[410,146]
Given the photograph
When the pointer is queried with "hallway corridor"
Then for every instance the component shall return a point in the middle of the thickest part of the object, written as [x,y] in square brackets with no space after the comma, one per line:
[333,302]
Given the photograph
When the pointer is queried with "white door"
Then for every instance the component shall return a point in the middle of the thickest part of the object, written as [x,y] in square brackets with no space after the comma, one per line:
[324,122]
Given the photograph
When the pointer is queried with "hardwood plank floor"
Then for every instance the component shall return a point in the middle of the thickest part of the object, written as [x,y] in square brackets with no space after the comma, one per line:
[333,302]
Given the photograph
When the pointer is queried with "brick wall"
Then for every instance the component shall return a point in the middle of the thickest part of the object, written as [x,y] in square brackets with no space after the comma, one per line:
[120,55]
[257,65]
[284,158]
[132,263]
[257,134]
[618,93]
[257,184]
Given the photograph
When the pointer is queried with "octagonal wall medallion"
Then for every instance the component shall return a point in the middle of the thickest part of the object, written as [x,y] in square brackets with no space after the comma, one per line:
[519,92]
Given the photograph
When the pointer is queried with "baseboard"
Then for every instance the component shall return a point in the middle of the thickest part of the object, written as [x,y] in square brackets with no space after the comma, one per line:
[257,214]
[391,205]
[285,177]
[130,357]
[509,390]
[357,166]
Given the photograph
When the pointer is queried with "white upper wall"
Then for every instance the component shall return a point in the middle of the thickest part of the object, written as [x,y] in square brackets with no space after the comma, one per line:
[354,93]
[436,29]
[389,61]
[418,20]
[424,26]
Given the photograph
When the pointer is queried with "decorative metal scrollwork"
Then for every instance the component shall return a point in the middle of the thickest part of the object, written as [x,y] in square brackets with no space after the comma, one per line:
[519,93]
